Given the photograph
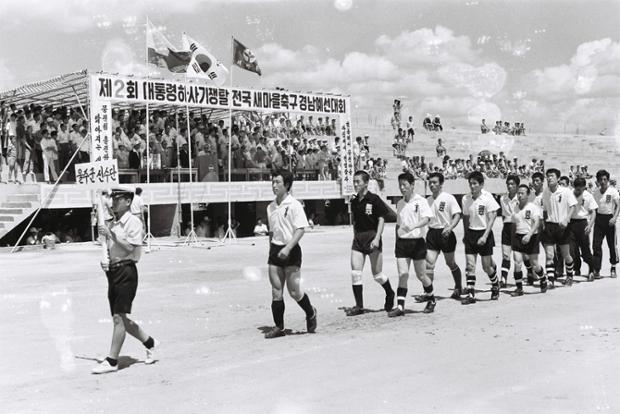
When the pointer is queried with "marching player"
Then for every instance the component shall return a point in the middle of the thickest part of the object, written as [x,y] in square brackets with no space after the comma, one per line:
[287,223]
[479,213]
[558,206]
[369,213]
[124,241]
[440,237]
[508,203]
[413,216]
[580,226]
[538,183]
[608,202]
[525,244]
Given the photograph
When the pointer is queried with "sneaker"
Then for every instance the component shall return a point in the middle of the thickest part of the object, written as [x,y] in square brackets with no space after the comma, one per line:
[355,310]
[311,322]
[456,294]
[275,332]
[151,354]
[422,298]
[389,302]
[613,273]
[104,367]
[597,275]
[591,277]
[396,312]
[494,292]
[430,306]
[568,281]
[543,287]
[517,292]
[468,300]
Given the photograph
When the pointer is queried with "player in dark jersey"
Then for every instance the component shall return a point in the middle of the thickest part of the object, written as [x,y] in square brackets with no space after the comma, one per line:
[369,213]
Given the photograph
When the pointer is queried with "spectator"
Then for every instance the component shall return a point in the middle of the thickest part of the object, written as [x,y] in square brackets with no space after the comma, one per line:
[410,130]
[441,150]
[483,127]
[260,229]
[50,154]
[437,124]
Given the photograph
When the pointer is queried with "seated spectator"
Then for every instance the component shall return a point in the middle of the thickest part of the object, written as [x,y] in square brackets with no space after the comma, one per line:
[33,236]
[428,123]
[484,128]
[497,129]
[437,124]
[261,228]
[441,150]
[49,240]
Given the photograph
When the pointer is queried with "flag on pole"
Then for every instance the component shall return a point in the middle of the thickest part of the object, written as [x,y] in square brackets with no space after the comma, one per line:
[244,58]
[203,64]
[164,54]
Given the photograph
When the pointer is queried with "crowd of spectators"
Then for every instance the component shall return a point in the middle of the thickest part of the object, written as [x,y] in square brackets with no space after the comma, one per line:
[502,127]
[41,139]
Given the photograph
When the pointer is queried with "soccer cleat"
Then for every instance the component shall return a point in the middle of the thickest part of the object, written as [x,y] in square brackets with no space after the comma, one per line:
[613,273]
[389,302]
[396,312]
[422,298]
[591,277]
[275,332]
[151,354]
[311,322]
[551,283]
[456,294]
[517,292]
[543,287]
[568,281]
[354,311]
[104,368]
[597,275]
[494,292]
[430,306]
[468,300]
[530,280]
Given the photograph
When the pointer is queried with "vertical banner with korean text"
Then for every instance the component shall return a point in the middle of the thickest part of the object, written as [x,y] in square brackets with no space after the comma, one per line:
[100,126]
[347,163]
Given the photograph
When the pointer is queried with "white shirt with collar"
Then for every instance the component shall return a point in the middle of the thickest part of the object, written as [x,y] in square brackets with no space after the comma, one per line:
[285,218]
[129,228]
[585,205]
[410,213]
[606,200]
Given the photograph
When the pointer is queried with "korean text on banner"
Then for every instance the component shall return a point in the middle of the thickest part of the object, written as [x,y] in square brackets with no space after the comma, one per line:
[101,174]
[348,162]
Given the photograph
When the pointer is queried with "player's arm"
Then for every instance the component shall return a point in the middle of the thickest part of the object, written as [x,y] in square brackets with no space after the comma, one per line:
[533,229]
[491,216]
[456,217]
[297,235]
[612,221]
[591,219]
[465,223]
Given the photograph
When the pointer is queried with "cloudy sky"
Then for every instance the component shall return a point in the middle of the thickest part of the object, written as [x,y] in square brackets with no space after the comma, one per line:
[553,64]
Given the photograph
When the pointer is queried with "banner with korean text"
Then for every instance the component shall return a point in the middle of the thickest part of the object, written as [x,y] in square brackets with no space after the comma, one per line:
[100,174]
[347,162]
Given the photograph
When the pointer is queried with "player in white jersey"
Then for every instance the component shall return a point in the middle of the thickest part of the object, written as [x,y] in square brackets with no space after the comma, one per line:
[508,202]
[287,224]
[537,185]
[525,244]
[413,215]
[479,213]
[608,202]
[440,237]
[580,227]
[558,206]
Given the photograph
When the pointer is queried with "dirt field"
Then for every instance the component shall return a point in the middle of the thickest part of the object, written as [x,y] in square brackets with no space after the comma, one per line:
[552,353]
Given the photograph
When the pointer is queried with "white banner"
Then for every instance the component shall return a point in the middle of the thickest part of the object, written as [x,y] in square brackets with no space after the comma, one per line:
[347,164]
[97,174]
[100,127]
[119,89]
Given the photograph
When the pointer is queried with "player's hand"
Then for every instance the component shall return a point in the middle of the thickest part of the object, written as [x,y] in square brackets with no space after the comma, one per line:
[283,254]
[105,266]
[374,244]
[446,232]
[104,231]
[481,241]
[588,229]
[526,238]
[612,222]
[563,224]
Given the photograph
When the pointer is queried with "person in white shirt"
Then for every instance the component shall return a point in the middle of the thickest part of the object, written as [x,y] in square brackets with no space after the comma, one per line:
[261,228]
[410,130]
[580,227]
[525,222]
[50,154]
[537,185]
[608,202]
[413,215]
[479,213]
[287,221]
[558,206]
[508,203]
[138,208]
[440,237]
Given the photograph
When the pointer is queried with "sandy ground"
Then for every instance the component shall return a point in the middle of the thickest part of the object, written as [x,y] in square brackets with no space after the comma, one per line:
[552,353]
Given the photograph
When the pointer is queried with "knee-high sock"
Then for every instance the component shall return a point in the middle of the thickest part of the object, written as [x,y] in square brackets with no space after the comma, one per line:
[305,304]
[277,310]
[519,279]
[456,275]
[401,294]
[505,268]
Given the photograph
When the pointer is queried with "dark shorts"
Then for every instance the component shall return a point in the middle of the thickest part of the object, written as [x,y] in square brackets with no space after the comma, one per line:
[533,247]
[293,259]
[362,240]
[436,242]
[471,243]
[554,234]
[410,248]
[507,234]
[122,287]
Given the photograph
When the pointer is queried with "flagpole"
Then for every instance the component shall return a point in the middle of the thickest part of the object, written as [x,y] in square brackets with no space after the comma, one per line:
[148,235]
[191,237]
[229,232]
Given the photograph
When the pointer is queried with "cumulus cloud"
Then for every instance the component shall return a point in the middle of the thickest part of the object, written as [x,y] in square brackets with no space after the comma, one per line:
[7,78]
[119,57]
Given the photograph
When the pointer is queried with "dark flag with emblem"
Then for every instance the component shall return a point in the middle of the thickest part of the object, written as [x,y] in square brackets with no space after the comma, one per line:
[244,58]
